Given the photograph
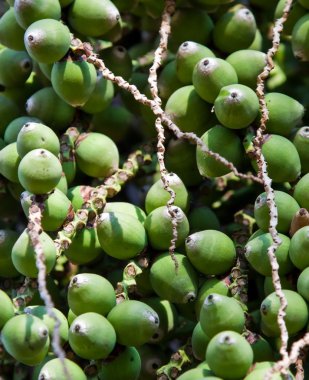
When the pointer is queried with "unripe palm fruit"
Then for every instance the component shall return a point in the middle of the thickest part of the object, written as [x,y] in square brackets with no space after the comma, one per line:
[24,336]
[296,313]
[168,81]
[256,254]
[248,64]
[11,33]
[220,313]
[79,195]
[259,374]
[188,55]
[118,60]
[188,110]
[301,141]
[7,308]
[152,358]
[199,342]
[54,370]
[198,373]
[286,206]
[235,29]
[269,286]
[126,208]
[89,292]
[74,81]
[300,38]
[47,40]
[210,75]
[8,111]
[91,336]
[134,322]
[14,127]
[39,171]
[222,141]
[301,194]
[236,106]
[299,248]
[94,18]
[29,11]
[229,355]
[7,240]
[121,235]
[159,227]
[157,196]
[296,12]
[203,218]
[176,287]
[9,162]
[36,135]
[303,284]
[96,154]
[15,67]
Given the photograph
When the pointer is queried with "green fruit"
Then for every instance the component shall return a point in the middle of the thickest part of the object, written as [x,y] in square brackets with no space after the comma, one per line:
[24,256]
[198,374]
[9,162]
[8,111]
[118,60]
[296,313]
[188,55]
[203,218]
[175,286]
[15,67]
[210,75]
[126,208]
[71,317]
[37,369]
[286,206]
[7,308]
[300,38]
[168,81]
[121,235]
[134,322]
[262,350]
[223,141]
[74,81]
[269,286]
[91,336]
[54,370]
[297,11]
[7,240]
[13,128]
[259,374]
[236,106]
[152,358]
[235,29]
[188,111]
[27,12]
[299,248]
[199,342]
[89,292]
[11,33]
[301,194]
[89,161]
[79,195]
[301,141]
[94,18]
[36,135]
[303,284]
[47,40]
[39,171]
[159,227]
[210,251]
[229,355]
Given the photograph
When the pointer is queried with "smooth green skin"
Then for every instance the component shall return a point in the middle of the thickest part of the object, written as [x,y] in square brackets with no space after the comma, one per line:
[92,164]
[11,33]
[91,336]
[259,373]
[157,196]
[53,370]
[262,350]
[210,75]
[297,11]
[296,313]
[125,366]
[85,247]
[127,208]
[9,162]
[301,194]
[229,355]
[28,12]
[286,206]
[24,336]
[36,135]
[89,292]
[121,235]
[299,248]
[188,110]
[180,287]
[256,254]
[248,64]
[7,240]
[269,286]
[199,341]
[303,284]
[46,69]
[301,141]
[134,322]
[94,18]
[74,81]
[236,106]
[235,30]
[300,38]
[42,104]
[15,67]
[13,128]
[8,111]
[39,171]
[223,141]
[118,60]
[168,81]
[220,313]
[36,370]
[7,308]
[211,252]
[188,55]
[23,255]
[198,374]
[203,218]
[47,40]
[71,317]
[78,195]
[40,312]
[159,227]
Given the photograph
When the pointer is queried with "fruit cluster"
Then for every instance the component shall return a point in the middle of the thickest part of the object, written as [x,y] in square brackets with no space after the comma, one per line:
[168,275]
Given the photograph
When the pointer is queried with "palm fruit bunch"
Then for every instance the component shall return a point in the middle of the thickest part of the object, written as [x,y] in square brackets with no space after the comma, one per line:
[134,252]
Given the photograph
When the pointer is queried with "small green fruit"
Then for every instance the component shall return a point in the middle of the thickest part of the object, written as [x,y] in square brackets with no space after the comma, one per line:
[54,370]
[301,141]
[7,308]
[9,162]
[126,208]
[203,218]
[199,342]
[299,248]
[15,67]
[13,128]
[168,81]
[303,284]
[11,33]
[300,38]
[301,194]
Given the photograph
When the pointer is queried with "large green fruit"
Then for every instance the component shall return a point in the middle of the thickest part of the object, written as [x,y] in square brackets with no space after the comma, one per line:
[299,248]
[126,208]
[54,370]
[7,308]
[14,127]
